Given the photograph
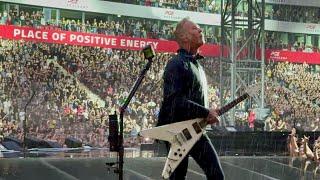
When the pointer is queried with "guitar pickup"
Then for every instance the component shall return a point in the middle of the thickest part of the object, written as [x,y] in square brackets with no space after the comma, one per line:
[187,134]
[197,127]
[179,138]
[183,136]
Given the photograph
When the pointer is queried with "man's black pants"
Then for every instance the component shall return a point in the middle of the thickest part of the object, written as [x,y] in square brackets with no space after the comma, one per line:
[206,156]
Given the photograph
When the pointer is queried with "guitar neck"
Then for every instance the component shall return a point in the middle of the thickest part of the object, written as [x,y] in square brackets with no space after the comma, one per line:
[232,104]
[226,108]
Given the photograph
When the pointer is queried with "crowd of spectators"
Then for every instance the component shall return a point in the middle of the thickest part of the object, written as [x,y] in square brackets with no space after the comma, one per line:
[61,108]
[293,94]
[274,42]
[121,26]
[280,12]
[285,100]
[112,73]
[135,27]
[15,17]
[302,14]
[208,6]
[110,25]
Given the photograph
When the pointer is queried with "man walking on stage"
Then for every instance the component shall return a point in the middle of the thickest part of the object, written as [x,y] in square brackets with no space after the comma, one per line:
[185,97]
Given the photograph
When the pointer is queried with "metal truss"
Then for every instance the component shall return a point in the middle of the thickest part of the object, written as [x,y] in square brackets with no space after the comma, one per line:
[242,60]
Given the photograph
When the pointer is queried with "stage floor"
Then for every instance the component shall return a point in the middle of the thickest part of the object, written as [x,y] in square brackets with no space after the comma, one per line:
[235,168]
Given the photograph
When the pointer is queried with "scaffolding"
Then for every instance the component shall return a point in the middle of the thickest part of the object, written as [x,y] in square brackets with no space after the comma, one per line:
[242,58]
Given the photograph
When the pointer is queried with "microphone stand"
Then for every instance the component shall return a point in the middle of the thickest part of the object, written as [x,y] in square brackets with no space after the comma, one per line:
[148,54]
[25,123]
[122,110]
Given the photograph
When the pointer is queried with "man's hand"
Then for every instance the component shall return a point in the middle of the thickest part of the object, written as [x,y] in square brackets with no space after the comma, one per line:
[212,117]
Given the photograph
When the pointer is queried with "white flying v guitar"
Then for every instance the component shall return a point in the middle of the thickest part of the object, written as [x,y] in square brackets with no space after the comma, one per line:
[183,135]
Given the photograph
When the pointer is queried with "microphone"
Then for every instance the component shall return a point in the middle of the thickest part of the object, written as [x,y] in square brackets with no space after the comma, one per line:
[148,52]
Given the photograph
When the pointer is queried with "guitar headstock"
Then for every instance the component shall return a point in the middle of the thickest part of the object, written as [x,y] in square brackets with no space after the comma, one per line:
[254,89]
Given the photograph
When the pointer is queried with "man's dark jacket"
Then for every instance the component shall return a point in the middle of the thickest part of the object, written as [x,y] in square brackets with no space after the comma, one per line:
[183,97]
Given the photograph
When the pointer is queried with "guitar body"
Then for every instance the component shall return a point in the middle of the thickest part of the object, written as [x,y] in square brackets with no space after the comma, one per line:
[181,135]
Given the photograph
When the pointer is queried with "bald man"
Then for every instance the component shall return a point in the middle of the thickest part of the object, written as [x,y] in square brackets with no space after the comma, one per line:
[185,98]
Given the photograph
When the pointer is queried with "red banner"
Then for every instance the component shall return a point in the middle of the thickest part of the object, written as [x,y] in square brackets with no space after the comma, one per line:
[297,57]
[123,42]
[90,39]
